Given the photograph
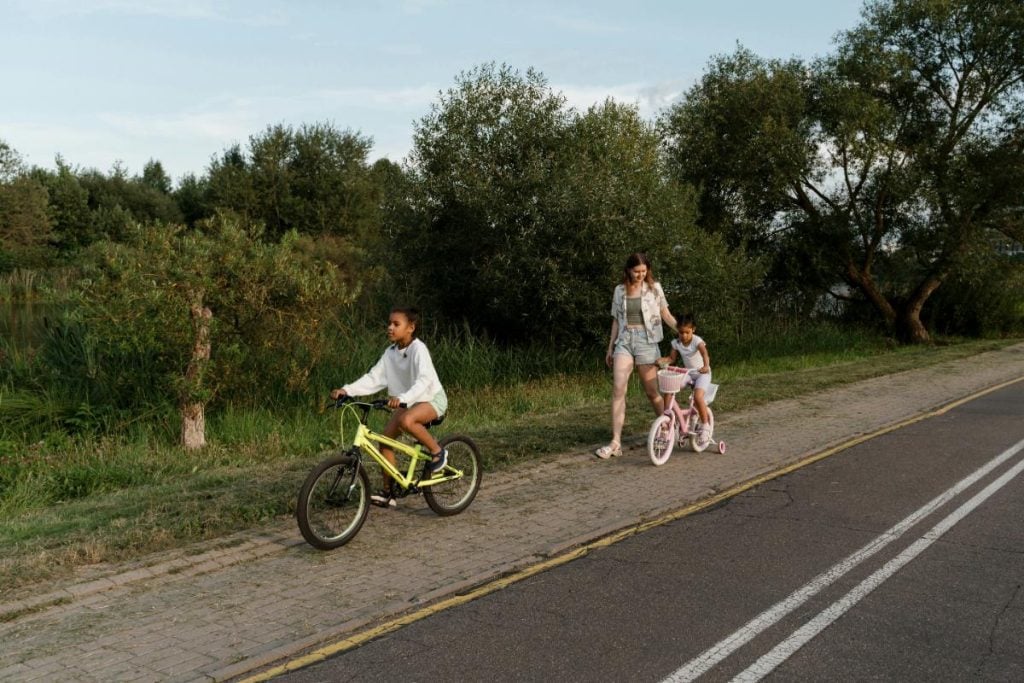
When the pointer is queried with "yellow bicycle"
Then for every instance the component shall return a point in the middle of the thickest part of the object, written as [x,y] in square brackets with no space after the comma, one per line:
[335,497]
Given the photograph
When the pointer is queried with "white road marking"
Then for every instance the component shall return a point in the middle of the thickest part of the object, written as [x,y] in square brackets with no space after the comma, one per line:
[725,647]
[781,652]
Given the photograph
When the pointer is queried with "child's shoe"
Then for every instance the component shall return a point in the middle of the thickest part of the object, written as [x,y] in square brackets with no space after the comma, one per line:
[438,461]
[384,499]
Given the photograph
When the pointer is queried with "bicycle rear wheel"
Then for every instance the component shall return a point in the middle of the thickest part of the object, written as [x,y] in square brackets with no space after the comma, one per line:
[661,439]
[454,496]
[333,502]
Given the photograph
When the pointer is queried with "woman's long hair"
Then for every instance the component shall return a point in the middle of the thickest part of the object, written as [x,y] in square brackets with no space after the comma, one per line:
[638,259]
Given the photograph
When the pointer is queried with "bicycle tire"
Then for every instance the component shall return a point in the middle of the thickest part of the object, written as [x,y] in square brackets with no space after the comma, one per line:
[695,444]
[452,497]
[326,519]
[658,448]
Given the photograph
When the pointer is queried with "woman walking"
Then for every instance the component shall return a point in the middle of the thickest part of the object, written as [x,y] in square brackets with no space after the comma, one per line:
[638,310]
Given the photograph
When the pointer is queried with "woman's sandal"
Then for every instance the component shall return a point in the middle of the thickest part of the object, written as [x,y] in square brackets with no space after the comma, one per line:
[605,452]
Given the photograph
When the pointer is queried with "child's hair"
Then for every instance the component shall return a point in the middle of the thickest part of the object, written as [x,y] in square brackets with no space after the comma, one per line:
[411,314]
[686,319]
[637,259]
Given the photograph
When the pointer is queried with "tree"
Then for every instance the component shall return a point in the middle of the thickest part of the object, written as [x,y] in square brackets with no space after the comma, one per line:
[25,225]
[523,210]
[196,313]
[192,198]
[877,167]
[315,180]
[155,177]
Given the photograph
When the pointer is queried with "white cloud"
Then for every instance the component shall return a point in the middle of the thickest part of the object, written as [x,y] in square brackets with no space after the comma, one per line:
[650,99]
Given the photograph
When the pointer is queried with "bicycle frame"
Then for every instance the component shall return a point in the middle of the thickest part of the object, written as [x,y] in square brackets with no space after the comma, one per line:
[366,441]
[679,413]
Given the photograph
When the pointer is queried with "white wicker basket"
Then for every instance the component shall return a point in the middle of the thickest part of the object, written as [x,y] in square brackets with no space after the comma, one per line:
[671,380]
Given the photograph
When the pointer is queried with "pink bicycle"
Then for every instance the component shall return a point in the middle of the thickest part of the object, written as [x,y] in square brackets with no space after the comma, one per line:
[679,424]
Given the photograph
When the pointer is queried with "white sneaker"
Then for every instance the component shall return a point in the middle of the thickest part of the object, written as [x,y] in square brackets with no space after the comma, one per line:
[703,437]
[383,499]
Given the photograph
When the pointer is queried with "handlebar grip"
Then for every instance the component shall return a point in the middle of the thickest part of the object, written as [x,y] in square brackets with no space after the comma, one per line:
[382,403]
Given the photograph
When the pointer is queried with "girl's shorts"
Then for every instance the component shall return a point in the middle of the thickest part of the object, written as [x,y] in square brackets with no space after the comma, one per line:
[439,402]
[700,381]
[633,342]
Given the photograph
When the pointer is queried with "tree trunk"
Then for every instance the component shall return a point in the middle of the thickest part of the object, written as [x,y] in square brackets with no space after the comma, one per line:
[909,327]
[865,283]
[193,415]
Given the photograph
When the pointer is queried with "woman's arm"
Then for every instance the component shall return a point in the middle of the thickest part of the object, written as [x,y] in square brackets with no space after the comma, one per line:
[667,316]
[611,341]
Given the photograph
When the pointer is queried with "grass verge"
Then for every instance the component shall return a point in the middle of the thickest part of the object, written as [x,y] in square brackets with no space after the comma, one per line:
[161,498]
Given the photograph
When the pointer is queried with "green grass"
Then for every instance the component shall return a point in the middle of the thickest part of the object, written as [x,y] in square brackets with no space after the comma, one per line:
[72,501]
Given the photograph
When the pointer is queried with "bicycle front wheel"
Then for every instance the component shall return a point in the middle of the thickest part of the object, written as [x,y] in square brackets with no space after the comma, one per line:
[453,496]
[333,502]
[661,439]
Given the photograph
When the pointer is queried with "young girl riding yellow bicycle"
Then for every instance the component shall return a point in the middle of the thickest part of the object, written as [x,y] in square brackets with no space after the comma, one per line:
[407,372]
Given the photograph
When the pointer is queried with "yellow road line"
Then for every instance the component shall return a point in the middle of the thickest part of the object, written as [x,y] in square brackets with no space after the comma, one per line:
[498,584]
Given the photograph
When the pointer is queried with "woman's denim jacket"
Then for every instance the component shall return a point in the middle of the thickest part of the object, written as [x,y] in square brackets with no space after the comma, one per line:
[652,300]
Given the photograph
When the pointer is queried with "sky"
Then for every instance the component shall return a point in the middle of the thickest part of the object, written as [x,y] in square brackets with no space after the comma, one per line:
[116,83]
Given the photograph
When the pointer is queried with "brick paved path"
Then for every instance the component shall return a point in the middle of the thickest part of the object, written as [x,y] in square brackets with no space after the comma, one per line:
[215,614]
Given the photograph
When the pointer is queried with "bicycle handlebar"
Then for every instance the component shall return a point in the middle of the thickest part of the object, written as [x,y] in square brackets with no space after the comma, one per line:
[377,404]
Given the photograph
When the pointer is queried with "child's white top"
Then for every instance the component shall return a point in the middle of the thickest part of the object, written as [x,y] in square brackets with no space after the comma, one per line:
[692,360]
[406,373]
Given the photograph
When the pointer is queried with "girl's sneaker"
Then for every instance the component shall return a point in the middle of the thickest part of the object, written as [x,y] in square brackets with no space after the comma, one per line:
[438,461]
[384,499]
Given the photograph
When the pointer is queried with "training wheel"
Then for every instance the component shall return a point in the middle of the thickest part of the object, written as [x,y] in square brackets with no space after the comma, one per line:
[721,447]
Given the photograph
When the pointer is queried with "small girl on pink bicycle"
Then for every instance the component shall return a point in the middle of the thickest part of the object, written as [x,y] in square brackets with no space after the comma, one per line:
[693,352]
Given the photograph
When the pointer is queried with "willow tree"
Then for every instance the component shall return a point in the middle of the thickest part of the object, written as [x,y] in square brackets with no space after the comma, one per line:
[879,167]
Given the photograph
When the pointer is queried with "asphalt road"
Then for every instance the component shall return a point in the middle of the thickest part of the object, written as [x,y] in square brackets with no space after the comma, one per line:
[898,559]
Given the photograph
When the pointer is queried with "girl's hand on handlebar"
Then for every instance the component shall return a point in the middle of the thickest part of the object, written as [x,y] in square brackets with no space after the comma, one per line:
[394,402]
[338,393]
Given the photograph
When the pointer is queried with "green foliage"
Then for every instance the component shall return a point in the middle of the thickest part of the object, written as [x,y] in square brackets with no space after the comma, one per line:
[984,298]
[314,180]
[87,206]
[270,304]
[69,207]
[878,167]
[25,226]
[192,197]
[524,209]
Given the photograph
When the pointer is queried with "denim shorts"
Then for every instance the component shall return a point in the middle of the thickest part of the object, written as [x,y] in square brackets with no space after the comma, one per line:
[633,342]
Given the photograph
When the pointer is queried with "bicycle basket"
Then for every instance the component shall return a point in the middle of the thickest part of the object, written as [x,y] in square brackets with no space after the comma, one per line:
[671,380]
